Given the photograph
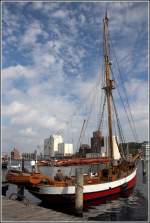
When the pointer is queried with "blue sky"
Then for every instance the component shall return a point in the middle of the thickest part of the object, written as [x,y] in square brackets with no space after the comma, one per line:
[51,58]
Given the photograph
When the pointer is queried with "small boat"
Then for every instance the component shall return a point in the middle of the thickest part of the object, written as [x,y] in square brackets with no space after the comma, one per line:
[14,167]
[43,163]
[25,177]
[81,161]
[17,176]
[4,162]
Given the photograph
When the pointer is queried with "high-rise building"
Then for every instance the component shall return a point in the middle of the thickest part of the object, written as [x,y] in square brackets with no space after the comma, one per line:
[51,145]
[46,148]
[65,149]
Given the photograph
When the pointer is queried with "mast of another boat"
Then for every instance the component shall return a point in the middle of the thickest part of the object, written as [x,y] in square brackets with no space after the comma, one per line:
[10,160]
[109,84]
[36,165]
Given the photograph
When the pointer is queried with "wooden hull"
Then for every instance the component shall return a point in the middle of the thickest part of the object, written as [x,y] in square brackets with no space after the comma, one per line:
[90,192]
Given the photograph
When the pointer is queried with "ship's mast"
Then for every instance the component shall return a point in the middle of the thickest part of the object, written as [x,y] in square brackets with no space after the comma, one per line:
[109,84]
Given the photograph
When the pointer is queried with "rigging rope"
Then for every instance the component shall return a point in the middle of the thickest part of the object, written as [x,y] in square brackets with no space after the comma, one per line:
[126,111]
[124,89]
[89,115]
[101,116]
[85,124]
[119,127]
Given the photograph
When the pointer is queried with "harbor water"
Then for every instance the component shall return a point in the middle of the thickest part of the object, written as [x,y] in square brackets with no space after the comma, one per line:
[132,208]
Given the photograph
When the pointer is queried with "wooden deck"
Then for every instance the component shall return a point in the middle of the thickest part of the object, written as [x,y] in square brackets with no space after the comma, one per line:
[17,211]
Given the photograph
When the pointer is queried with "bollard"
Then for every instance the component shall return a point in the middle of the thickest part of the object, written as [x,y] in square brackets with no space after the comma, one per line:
[143,167]
[79,192]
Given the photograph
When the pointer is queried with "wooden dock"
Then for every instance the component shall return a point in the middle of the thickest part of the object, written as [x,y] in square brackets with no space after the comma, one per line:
[13,210]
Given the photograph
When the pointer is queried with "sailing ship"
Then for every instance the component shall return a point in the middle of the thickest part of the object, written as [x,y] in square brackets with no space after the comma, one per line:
[118,175]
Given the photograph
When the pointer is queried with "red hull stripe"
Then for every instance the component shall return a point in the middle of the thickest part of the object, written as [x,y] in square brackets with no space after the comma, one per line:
[94,195]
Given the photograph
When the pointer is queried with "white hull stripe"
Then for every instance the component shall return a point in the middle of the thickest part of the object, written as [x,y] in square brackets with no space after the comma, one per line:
[87,188]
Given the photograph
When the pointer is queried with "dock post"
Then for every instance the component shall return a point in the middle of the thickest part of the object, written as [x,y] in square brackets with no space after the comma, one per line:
[143,167]
[79,192]
[20,192]
[22,164]
[36,167]
[5,187]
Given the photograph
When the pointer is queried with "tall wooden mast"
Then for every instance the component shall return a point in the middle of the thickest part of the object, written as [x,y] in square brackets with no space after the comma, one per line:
[109,84]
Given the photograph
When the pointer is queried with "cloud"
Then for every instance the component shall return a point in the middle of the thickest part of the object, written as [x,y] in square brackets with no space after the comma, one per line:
[14,72]
[32,33]
[14,108]
[27,132]
[25,118]
[59,14]
[51,56]
[45,7]
[38,5]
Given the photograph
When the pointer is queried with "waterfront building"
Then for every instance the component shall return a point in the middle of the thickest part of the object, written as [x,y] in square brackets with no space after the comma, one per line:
[15,154]
[46,148]
[51,146]
[28,156]
[97,141]
[84,149]
[93,155]
[65,149]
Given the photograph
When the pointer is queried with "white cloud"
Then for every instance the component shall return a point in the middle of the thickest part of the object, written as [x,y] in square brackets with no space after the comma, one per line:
[11,22]
[48,60]
[55,60]
[14,108]
[45,7]
[28,117]
[38,5]
[32,32]
[60,14]
[17,71]
[137,92]
[82,19]
[27,132]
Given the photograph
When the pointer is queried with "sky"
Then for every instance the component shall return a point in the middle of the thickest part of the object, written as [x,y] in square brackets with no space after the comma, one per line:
[52,60]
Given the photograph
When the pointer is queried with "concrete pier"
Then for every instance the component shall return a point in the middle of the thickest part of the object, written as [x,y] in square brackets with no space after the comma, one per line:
[16,211]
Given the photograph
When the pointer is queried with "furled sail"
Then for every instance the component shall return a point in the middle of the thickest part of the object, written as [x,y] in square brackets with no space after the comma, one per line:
[116,153]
